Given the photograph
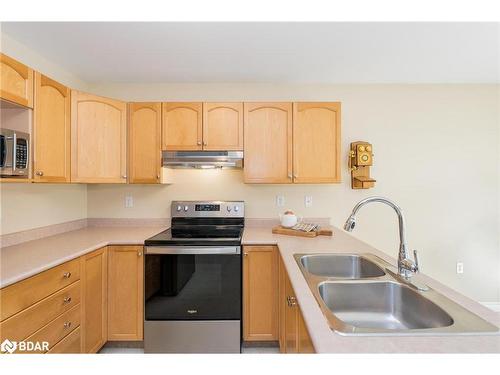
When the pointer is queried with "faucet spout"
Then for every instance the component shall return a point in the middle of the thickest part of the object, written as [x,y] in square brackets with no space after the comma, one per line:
[405,265]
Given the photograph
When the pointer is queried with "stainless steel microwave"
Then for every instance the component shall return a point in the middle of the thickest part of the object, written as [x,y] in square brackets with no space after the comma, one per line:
[14,153]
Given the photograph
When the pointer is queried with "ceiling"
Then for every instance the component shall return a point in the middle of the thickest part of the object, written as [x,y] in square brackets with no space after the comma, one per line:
[134,52]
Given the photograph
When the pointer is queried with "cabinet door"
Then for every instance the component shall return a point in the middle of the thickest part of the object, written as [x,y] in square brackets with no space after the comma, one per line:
[260,293]
[182,126]
[268,142]
[125,293]
[144,143]
[51,131]
[223,126]
[94,319]
[304,342]
[291,319]
[316,143]
[98,139]
[282,305]
[16,81]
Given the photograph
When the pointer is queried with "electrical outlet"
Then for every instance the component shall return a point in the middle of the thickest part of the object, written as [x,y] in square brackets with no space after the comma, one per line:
[460,267]
[308,201]
[129,201]
[280,200]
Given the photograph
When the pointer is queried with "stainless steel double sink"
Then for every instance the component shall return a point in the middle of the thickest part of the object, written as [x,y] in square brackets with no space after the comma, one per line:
[363,295]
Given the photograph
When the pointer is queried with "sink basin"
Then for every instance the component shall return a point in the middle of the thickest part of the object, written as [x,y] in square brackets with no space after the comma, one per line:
[382,306]
[363,295]
[341,266]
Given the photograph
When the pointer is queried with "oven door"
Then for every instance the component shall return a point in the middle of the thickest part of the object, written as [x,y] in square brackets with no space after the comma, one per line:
[192,283]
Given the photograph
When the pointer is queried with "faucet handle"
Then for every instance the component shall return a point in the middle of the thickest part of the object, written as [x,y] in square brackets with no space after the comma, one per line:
[415,256]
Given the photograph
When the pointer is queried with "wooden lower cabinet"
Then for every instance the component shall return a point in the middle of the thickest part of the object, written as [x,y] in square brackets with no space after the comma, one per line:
[68,345]
[260,293]
[125,297]
[95,297]
[270,308]
[294,337]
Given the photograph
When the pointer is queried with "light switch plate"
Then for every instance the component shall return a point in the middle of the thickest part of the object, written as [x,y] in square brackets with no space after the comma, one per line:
[460,267]
[129,201]
[280,200]
[308,201]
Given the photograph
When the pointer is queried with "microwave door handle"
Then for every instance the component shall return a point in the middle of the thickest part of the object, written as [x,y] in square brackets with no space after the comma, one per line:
[14,152]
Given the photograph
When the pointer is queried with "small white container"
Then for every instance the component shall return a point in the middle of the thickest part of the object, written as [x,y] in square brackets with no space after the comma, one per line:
[289,219]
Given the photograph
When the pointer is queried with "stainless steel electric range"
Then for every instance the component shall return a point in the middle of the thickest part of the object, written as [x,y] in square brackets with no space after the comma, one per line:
[192,296]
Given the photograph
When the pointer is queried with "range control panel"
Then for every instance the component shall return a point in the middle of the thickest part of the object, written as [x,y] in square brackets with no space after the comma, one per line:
[208,209]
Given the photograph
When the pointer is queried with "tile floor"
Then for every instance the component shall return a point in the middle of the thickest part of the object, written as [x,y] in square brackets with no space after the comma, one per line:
[245,350]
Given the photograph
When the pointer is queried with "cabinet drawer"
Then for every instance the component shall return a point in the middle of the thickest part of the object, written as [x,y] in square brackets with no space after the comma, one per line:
[21,325]
[23,294]
[58,328]
[69,344]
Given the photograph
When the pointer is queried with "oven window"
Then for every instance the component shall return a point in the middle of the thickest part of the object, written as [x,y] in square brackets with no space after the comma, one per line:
[192,287]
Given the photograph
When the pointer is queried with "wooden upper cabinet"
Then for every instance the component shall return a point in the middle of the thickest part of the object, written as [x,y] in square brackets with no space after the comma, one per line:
[268,142]
[316,143]
[144,143]
[51,131]
[182,126]
[125,292]
[95,298]
[222,126]
[99,139]
[260,293]
[16,81]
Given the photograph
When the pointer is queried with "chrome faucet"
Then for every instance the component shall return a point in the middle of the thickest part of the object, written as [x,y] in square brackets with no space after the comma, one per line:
[406,266]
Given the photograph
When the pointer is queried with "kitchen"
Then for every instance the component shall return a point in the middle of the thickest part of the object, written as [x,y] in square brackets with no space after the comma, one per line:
[144,187]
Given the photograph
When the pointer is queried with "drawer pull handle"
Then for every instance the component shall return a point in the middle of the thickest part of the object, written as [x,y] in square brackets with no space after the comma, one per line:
[67,299]
[67,324]
[67,275]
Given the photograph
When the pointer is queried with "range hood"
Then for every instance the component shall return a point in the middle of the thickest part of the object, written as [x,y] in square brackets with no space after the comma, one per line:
[202,159]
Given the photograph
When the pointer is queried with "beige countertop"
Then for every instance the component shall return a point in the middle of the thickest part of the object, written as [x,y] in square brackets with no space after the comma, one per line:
[21,261]
[24,260]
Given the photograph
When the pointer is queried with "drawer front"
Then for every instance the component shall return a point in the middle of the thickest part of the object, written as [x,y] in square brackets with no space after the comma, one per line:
[21,325]
[19,296]
[69,344]
[57,329]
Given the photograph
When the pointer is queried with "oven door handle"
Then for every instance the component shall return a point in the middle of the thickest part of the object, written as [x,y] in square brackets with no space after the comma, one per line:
[185,250]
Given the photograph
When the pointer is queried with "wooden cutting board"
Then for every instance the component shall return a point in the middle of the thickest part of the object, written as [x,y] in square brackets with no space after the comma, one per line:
[292,232]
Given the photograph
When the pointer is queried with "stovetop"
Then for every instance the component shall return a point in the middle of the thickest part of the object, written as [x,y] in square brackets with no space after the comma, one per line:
[203,223]
[205,235]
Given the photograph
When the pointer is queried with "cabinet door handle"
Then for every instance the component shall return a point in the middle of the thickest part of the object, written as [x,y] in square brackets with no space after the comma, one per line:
[139,253]
[67,275]
[39,173]
[205,144]
[67,324]
[124,176]
[67,299]
[198,143]
[245,254]
[291,301]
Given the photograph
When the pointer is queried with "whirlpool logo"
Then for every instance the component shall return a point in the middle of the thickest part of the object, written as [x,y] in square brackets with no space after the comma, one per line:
[8,346]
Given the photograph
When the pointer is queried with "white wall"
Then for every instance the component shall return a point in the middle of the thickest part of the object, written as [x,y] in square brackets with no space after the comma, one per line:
[28,206]
[436,154]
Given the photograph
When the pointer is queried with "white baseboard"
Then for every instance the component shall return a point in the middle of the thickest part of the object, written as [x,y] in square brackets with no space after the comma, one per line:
[495,306]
